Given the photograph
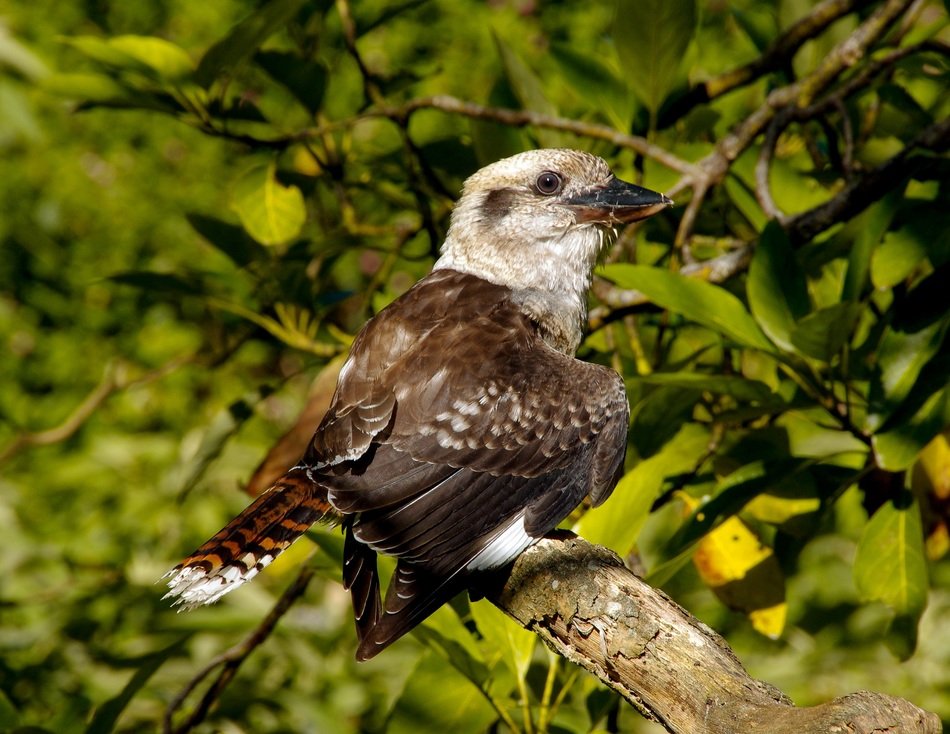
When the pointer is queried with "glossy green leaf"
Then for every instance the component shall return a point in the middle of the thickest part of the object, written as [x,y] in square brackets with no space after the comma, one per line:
[594,83]
[900,358]
[529,90]
[445,633]
[104,91]
[741,195]
[758,25]
[896,448]
[889,565]
[306,80]
[809,437]
[515,643]
[697,300]
[870,227]
[244,39]
[273,214]
[822,334]
[618,522]
[776,287]
[105,53]
[898,256]
[162,57]
[658,416]
[740,388]
[734,492]
[652,37]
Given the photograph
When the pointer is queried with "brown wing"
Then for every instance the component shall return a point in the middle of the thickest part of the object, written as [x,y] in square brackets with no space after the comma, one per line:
[458,439]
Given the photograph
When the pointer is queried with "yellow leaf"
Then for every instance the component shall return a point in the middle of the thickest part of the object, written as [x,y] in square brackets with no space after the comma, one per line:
[744,574]
[934,462]
[930,480]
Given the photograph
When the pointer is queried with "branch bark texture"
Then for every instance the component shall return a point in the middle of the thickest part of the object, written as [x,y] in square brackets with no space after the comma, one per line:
[589,608]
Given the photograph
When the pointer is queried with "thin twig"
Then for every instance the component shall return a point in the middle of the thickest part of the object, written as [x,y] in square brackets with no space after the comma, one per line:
[115,377]
[232,659]
[521,118]
[712,169]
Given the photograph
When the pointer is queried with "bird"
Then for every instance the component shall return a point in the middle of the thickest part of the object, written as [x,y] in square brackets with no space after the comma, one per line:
[463,428]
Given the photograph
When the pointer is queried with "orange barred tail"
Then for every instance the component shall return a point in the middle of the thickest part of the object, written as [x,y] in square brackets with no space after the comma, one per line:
[253,539]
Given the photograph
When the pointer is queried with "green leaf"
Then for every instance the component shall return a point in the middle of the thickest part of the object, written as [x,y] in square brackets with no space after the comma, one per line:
[871,226]
[658,416]
[776,287]
[740,388]
[889,565]
[492,141]
[741,195]
[104,91]
[15,55]
[439,699]
[106,54]
[106,716]
[305,80]
[273,214]
[896,448]
[221,429]
[617,523]
[445,633]
[758,26]
[529,91]
[244,39]
[900,358]
[822,334]
[652,37]
[733,493]
[162,57]
[594,83]
[899,255]
[231,240]
[515,643]
[697,300]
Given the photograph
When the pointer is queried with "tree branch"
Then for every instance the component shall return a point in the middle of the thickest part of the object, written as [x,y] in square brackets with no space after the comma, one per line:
[779,53]
[871,186]
[587,607]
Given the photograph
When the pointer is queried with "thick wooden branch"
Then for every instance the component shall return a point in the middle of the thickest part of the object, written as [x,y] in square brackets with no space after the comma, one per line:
[589,608]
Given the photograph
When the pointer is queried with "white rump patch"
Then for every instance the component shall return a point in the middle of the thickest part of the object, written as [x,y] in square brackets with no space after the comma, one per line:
[507,545]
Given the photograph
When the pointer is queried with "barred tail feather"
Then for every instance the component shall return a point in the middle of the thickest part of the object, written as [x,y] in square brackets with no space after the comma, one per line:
[253,539]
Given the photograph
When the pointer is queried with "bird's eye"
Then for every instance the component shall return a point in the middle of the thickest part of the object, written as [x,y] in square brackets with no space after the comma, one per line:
[548,183]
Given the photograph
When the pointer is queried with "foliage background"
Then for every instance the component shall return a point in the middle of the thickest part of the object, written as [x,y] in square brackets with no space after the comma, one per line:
[127,285]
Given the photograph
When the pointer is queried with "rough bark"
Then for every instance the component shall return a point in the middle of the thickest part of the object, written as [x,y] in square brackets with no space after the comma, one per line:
[589,608]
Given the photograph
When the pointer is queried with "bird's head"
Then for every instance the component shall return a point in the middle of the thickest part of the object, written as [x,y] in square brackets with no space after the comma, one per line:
[539,219]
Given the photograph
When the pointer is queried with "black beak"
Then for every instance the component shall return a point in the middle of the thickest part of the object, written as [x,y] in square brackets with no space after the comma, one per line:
[618,202]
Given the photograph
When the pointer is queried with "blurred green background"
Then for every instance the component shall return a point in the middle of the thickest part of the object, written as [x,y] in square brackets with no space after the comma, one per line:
[129,285]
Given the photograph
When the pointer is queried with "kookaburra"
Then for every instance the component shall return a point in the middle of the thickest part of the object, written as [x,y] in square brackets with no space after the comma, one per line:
[462,429]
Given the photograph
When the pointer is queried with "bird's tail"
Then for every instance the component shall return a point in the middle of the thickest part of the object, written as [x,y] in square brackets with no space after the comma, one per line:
[253,539]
